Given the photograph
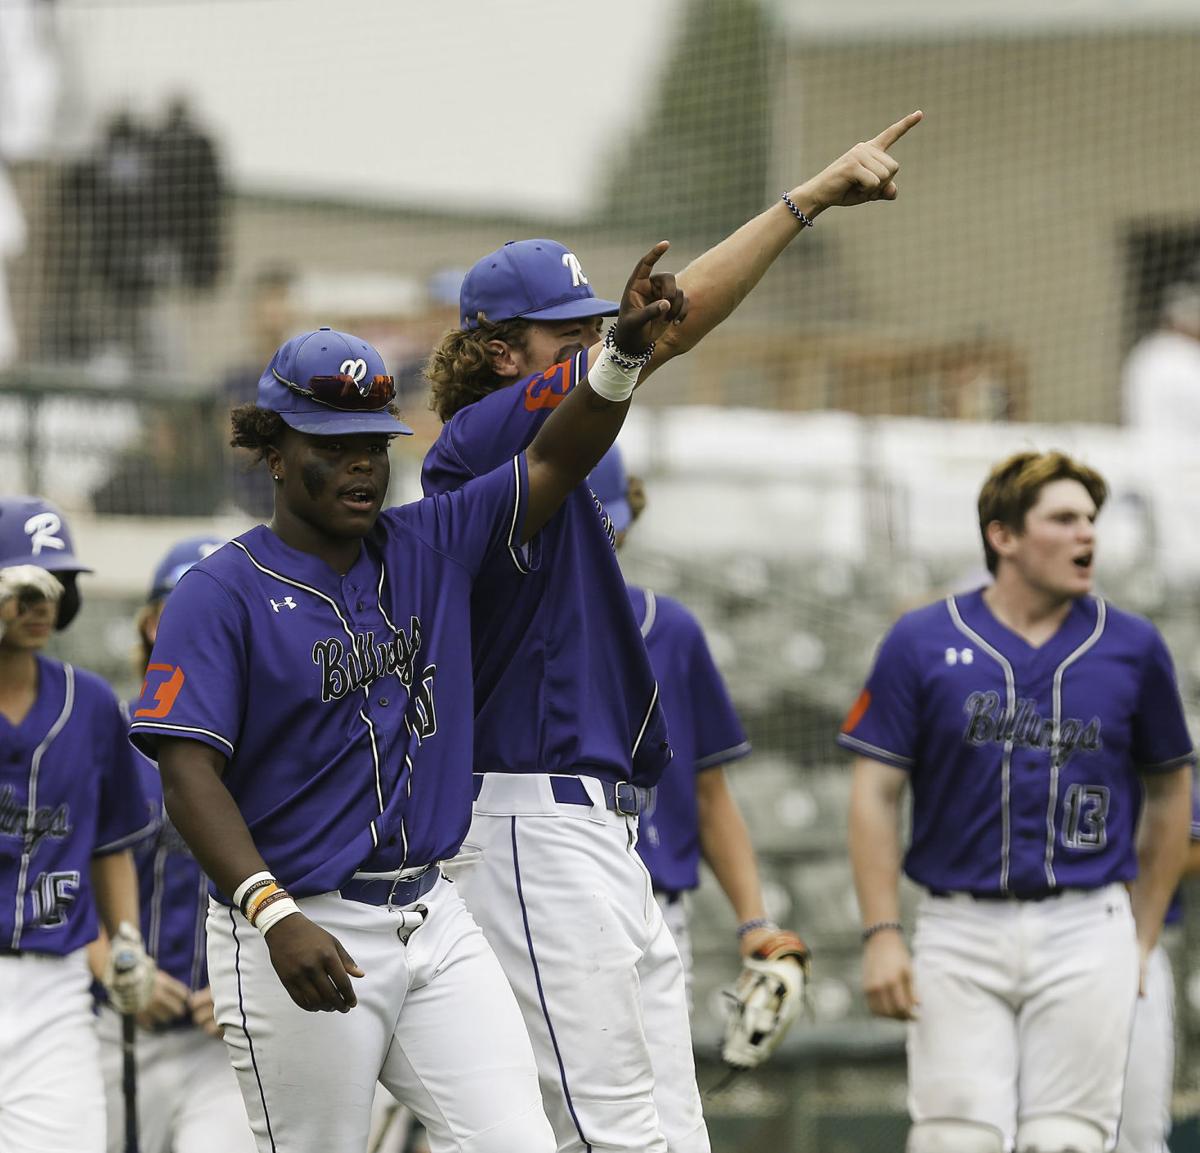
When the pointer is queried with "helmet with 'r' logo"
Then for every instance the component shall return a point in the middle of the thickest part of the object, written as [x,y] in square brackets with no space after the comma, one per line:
[33,531]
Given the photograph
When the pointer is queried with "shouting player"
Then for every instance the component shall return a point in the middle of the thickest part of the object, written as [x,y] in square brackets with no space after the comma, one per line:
[187,1096]
[1027,717]
[70,804]
[309,704]
[568,724]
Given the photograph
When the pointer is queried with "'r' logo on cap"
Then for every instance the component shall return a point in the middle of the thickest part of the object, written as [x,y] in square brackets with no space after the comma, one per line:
[42,529]
[356,369]
[571,261]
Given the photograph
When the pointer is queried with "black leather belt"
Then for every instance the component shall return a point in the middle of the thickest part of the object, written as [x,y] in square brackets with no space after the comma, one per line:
[390,891]
[990,895]
[619,796]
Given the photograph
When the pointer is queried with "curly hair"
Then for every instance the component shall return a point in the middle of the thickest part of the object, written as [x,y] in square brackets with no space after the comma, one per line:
[257,429]
[459,369]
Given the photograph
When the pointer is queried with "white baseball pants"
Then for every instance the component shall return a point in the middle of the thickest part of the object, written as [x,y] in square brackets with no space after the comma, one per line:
[675,914]
[187,1096]
[1150,1076]
[51,1092]
[435,1023]
[1025,1009]
[568,906]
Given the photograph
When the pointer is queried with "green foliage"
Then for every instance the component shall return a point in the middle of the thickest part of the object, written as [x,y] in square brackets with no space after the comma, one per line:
[700,161]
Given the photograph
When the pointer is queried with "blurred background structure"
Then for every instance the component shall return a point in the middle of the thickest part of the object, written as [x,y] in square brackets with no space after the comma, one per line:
[184,182]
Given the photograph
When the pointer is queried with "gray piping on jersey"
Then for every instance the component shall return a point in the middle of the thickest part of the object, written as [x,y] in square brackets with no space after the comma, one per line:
[515,550]
[198,938]
[378,776]
[1173,763]
[874,751]
[156,901]
[387,620]
[141,726]
[723,756]
[35,763]
[645,720]
[350,633]
[1055,752]
[651,613]
[1010,690]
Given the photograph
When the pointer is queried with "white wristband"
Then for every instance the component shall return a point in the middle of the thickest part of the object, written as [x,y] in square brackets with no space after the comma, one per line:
[239,894]
[610,380]
[275,913]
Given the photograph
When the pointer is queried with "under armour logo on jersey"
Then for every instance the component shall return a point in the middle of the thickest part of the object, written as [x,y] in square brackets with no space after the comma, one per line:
[42,529]
[960,656]
[571,261]
[356,370]
[286,603]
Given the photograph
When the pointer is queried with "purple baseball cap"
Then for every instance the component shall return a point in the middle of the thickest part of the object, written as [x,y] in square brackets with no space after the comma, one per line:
[611,486]
[33,531]
[532,279]
[329,383]
[181,557]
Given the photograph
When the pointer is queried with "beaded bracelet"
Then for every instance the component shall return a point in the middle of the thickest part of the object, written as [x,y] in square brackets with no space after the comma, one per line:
[881,927]
[629,361]
[799,214]
[756,923]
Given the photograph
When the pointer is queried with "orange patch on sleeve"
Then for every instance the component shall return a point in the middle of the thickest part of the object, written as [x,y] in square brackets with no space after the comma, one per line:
[550,389]
[857,711]
[165,694]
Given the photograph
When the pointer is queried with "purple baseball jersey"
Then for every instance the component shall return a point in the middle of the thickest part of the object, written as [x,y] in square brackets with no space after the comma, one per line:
[173,891]
[342,703]
[1023,761]
[1174,912]
[69,791]
[562,680]
[705,732]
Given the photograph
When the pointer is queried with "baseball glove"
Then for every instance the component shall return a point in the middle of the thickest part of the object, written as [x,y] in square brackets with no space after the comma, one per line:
[768,994]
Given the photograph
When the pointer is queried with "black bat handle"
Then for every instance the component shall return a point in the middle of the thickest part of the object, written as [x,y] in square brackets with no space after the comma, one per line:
[129,1080]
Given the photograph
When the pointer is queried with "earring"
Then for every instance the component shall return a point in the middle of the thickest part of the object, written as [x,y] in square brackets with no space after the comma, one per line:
[275,476]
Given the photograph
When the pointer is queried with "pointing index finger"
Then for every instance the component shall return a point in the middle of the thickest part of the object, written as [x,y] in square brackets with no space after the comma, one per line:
[647,263]
[889,136]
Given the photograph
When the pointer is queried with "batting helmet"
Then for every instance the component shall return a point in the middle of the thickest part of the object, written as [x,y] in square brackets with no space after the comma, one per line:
[33,531]
[179,559]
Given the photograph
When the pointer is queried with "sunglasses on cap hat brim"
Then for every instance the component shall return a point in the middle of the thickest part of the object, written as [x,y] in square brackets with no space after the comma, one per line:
[342,392]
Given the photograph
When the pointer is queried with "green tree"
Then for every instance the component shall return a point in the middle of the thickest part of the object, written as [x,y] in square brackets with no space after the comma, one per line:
[700,164]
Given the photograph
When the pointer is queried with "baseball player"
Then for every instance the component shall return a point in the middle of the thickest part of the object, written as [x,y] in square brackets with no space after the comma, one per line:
[187,1097]
[568,723]
[1150,1071]
[308,701]
[70,805]
[692,812]
[1027,717]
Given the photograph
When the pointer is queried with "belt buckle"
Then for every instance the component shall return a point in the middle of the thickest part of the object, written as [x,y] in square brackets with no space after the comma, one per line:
[626,799]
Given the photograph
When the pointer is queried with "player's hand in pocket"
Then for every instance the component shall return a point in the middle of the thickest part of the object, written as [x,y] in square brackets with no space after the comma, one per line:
[200,1004]
[887,977]
[313,966]
[168,1001]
